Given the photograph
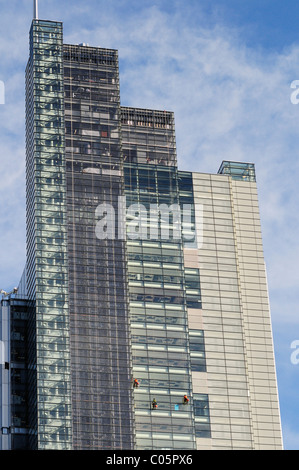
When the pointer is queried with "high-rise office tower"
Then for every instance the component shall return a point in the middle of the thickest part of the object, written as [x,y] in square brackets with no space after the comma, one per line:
[142,319]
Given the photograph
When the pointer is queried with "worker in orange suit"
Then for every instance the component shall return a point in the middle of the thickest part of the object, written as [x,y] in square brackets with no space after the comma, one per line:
[186,400]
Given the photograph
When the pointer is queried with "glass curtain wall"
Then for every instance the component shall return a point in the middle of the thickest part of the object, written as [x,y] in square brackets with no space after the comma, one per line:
[19,373]
[158,312]
[102,393]
[47,269]
[238,170]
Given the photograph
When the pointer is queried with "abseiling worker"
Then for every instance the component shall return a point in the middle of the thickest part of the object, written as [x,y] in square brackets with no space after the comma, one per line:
[186,400]
[154,404]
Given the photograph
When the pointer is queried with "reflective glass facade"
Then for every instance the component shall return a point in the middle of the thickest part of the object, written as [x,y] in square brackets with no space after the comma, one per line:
[238,170]
[101,365]
[158,302]
[202,415]
[18,370]
[47,266]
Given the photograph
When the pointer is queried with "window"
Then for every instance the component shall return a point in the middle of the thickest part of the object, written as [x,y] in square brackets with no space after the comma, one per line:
[197,350]
[202,415]
[192,283]
[5,431]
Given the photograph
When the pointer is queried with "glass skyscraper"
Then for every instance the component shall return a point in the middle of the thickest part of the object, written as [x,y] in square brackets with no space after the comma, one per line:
[142,319]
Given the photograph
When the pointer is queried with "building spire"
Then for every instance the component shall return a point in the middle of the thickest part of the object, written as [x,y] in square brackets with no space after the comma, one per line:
[35,9]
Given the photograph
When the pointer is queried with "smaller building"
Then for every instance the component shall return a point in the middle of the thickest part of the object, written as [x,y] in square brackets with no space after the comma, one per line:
[14,373]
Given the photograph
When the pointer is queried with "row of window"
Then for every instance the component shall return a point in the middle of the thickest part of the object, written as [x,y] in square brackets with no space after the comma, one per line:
[93,56]
[91,76]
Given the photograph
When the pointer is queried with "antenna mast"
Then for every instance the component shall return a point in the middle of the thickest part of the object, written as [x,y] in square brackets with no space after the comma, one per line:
[35,9]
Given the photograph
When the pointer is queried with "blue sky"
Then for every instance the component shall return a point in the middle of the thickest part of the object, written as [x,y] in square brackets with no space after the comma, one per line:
[225,68]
